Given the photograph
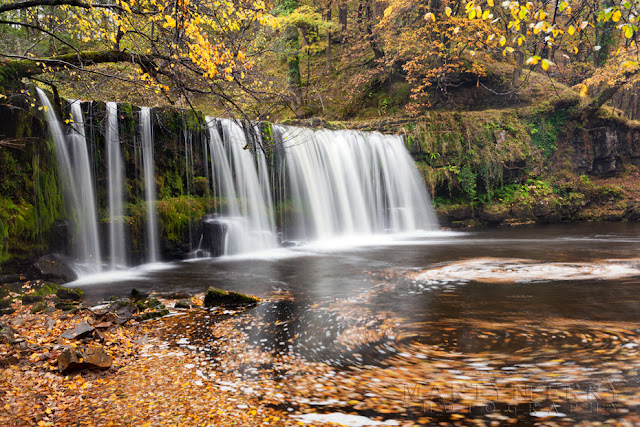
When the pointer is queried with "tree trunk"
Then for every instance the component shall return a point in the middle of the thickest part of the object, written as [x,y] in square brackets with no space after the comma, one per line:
[328,17]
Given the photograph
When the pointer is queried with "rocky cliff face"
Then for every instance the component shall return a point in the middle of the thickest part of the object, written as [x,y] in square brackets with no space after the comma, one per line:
[603,147]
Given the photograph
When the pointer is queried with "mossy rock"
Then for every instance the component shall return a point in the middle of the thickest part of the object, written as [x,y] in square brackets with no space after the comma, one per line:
[41,306]
[150,302]
[493,213]
[6,303]
[66,305]
[48,288]
[31,299]
[66,294]
[217,297]
[153,314]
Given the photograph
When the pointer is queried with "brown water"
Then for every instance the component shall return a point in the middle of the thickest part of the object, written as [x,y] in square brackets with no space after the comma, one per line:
[552,308]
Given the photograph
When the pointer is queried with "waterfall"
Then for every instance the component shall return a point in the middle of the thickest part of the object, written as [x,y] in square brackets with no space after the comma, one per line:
[344,183]
[89,250]
[247,218]
[149,184]
[115,176]
[321,184]
[76,179]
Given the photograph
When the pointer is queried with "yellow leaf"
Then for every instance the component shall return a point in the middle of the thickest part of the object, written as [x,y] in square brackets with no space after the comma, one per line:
[430,16]
[628,64]
[546,64]
[616,16]
[532,60]
[387,11]
[571,30]
[490,3]
[472,14]
[628,31]
[502,41]
[485,15]
[447,11]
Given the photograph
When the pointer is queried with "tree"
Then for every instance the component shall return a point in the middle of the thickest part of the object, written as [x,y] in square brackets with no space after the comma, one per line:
[176,47]
[458,35]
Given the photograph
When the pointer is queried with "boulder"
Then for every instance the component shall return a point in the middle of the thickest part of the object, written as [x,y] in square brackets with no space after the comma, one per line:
[123,309]
[53,269]
[6,334]
[184,303]
[9,278]
[494,213]
[80,331]
[31,299]
[218,297]
[74,358]
[66,294]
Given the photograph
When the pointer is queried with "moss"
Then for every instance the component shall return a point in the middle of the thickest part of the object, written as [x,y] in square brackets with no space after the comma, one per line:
[217,297]
[41,306]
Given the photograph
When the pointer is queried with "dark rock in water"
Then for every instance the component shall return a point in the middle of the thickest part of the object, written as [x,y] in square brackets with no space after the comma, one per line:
[493,214]
[31,299]
[214,234]
[174,295]
[66,294]
[61,237]
[184,303]
[216,297]
[51,268]
[9,278]
[137,295]
[80,331]
[289,244]
[83,357]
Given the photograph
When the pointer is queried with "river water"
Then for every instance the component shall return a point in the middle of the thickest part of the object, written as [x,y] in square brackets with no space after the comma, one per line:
[546,307]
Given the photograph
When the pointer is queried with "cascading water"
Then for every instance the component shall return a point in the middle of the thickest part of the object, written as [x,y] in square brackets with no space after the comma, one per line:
[89,249]
[344,183]
[115,174]
[146,131]
[246,222]
[321,184]
[74,168]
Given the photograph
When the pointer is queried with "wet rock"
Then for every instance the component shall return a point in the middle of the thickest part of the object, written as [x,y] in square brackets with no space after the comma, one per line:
[66,305]
[151,302]
[174,295]
[137,295]
[31,299]
[66,294]
[124,310]
[218,297]
[214,234]
[493,214]
[153,314]
[456,212]
[184,303]
[80,331]
[103,325]
[75,358]
[52,268]
[41,306]
[9,278]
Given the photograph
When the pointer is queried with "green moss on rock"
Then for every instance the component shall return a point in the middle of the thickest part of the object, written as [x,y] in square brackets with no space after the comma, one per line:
[218,297]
